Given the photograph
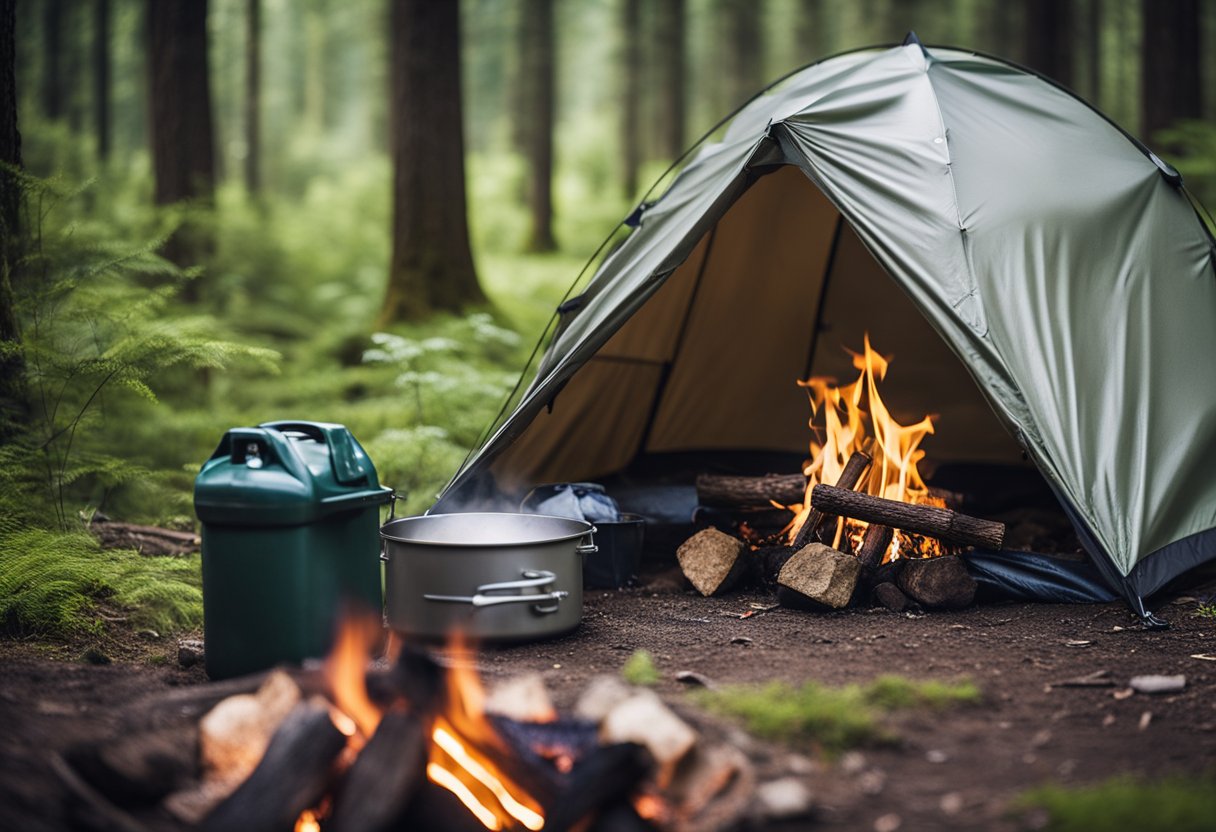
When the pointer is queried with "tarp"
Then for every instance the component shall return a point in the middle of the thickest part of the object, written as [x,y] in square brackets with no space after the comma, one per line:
[1017,252]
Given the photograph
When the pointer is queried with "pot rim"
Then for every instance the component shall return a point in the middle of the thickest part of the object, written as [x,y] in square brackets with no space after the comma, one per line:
[420,520]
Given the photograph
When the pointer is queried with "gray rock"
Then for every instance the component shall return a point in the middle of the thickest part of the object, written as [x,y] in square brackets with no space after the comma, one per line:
[1158,684]
[822,575]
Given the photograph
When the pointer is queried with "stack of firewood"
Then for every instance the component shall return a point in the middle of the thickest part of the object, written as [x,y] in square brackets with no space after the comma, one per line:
[810,573]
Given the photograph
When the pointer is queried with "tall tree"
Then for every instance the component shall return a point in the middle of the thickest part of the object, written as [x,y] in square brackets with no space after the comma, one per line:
[740,24]
[810,32]
[52,56]
[1170,71]
[670,26]
[631,95]
[253,96]
[101,76]
[431,266]
[1049,38]
[179,106]
[538,63]
[11,363]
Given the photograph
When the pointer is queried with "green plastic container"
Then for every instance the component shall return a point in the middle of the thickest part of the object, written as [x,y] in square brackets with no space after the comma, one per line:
[290,516]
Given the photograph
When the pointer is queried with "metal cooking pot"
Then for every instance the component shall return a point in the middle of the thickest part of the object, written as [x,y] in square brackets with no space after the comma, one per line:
[496,577]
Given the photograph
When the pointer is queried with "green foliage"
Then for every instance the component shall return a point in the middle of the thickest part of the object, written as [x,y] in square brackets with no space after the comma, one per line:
[99,332]
[639,669]
[1205,609]
[832,718]
[1177,805]
[1195,146]
[50,583]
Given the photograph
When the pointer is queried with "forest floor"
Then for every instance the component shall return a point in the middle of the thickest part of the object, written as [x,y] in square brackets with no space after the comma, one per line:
[959,768]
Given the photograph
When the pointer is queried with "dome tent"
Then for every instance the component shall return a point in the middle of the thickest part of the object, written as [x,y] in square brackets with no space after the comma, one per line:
[1020,255]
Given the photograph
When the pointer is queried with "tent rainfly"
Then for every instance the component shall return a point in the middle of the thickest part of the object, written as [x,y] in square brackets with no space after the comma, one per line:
[980,221]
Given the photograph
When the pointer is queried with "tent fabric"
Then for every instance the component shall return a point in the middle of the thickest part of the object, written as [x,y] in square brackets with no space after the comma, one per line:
[967,207]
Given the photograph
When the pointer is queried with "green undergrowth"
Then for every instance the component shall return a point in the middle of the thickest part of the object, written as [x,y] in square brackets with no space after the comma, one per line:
[52,584]
[1177,805]
[832,718]
[639,669]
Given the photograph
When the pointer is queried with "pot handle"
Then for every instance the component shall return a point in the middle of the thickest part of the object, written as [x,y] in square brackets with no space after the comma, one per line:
[541,603]
[588,548]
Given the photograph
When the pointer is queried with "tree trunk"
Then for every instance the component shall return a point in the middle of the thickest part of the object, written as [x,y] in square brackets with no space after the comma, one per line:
[1093,51]
[631,95]
[671,24]
[253,96]
[11,364]
[432,266]
[537,64]
[101,77]
[740,22]
[183,144]
[1049,38]
[810,32]
[74,60]
[1170,70]
[52,55]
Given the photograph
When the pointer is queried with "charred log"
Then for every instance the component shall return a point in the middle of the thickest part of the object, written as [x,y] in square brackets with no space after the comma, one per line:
[605,777]
[849,477]
[874,546]
[384,777]
[928,520]
[292,776]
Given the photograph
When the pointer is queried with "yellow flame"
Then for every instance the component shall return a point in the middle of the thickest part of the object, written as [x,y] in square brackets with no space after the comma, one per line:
[307,822]
[442,777]
[853,416]
[345,668]
[457,751]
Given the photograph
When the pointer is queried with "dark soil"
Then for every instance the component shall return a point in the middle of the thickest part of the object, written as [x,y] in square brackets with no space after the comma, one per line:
[957,769]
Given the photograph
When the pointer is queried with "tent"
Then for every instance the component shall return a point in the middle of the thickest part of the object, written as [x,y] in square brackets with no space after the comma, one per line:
[1030,265]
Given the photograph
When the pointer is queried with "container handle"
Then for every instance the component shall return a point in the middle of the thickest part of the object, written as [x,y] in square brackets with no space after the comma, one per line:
[588,548]
[542,604]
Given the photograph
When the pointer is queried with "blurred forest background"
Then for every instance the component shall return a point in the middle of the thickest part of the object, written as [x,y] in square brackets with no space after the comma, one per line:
[221,212]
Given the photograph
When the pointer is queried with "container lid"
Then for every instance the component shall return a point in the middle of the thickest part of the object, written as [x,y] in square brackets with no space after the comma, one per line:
[285,473]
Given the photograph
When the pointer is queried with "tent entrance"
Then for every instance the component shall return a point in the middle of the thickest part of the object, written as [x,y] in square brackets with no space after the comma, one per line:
[774,292]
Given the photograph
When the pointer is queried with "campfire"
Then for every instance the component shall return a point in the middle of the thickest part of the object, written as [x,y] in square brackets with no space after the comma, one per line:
[862,515]
[856,420]
[387,735]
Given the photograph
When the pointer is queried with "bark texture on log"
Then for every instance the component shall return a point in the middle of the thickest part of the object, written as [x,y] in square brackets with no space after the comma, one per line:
[874,545]
[929,520]
[732,492]
[147,540]
[849,477]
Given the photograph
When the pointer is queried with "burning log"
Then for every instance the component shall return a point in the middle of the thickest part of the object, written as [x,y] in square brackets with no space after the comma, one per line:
[858,462]
[291,777]
[605,777]
[725,491]
[873,546]
[384,777]
[712,560]
[138,769]
[929,520]
[818,576]
[938,582]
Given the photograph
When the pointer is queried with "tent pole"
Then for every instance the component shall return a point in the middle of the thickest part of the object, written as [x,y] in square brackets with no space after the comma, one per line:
[828,269]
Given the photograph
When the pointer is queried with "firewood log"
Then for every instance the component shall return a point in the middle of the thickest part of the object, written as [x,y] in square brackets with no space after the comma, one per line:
[712,560]
[603,778]
[849,477]
[292,776]
[929,520]
[735,492]
[384,777]
[874,546]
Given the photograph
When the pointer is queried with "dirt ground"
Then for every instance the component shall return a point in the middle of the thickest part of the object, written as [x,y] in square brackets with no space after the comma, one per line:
[958,769]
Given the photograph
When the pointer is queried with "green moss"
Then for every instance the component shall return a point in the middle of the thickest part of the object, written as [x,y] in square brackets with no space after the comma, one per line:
[833,718]
[1205,609]
[1179,805]
[639,669]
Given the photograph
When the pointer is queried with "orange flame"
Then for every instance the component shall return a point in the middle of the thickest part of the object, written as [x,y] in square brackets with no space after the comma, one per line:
[457,764]
[895,447]
[345,668]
